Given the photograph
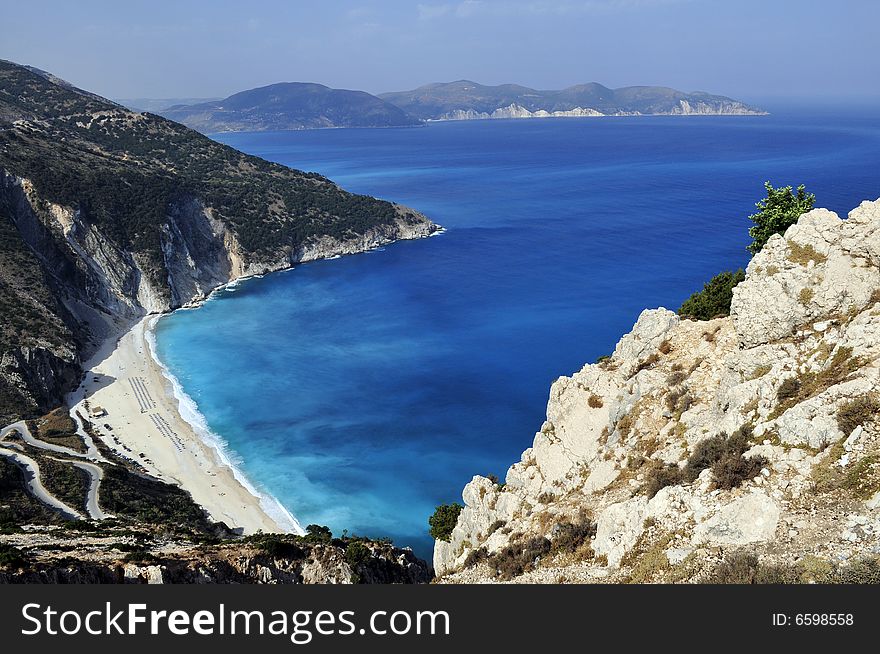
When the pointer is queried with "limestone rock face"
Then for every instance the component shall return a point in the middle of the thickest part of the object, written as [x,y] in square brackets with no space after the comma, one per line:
[800,349]
[822,267]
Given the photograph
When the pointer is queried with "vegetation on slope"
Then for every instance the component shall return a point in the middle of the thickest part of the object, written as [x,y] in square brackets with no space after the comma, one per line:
[123,170]
[714,300]
[290,105]
[776,213]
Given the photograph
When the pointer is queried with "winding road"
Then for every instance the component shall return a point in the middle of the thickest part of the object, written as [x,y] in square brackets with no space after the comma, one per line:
[36,485]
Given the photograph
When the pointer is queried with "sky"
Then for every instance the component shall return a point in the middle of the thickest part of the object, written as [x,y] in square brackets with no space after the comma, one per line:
[748,49]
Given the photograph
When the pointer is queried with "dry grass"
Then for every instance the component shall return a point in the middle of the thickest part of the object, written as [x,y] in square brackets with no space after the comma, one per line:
[625,425]
[795,390]
[649,362]
[595,401]
[760,371]
[803,254]
[59,428]
[806,295]
[647,561]
[859,411]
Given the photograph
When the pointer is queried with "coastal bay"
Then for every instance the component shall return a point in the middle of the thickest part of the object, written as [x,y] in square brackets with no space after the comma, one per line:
[362,392]
[144,422]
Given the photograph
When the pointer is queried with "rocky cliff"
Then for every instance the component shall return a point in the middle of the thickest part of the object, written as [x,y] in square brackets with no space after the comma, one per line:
[467,100]
[700,449]
[107,214]
[114,556]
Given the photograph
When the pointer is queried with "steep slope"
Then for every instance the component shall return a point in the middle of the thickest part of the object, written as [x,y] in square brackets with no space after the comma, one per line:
[736,449]
[464,100]
[292,105]
[106,214]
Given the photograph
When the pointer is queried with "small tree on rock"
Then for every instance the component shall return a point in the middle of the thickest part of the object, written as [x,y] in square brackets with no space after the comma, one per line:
[777,212]
[444,520]
[715,298]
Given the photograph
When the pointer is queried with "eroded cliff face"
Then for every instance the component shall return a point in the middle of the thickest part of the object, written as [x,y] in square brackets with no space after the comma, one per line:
[100,285]
[627,451]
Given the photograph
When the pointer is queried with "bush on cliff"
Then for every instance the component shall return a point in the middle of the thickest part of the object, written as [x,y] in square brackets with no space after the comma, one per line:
[12,557]
[444,520]
[715,298]
[777,212]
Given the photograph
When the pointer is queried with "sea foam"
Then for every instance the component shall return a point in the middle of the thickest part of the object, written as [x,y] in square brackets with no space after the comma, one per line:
[189,411]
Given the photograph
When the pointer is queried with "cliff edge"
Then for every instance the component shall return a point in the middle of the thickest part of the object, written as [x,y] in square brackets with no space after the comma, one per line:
[740,447]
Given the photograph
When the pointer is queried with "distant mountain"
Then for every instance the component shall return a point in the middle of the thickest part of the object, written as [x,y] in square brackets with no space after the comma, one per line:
[290,105]
[155,105]
[466,100]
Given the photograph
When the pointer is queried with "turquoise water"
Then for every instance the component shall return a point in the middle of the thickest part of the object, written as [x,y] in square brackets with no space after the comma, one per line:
[363,391]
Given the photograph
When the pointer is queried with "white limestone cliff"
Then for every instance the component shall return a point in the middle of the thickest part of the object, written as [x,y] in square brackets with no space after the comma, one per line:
[800,347]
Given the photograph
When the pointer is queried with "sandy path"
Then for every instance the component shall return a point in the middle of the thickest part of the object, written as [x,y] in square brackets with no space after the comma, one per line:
[145,425]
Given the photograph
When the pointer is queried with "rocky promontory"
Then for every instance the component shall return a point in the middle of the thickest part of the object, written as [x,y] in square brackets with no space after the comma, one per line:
[744,447]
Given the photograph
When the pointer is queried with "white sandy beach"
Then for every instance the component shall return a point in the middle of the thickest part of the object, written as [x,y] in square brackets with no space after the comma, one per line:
[147,426]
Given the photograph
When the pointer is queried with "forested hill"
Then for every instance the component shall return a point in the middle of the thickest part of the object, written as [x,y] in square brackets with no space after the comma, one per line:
[290,105]
[113,213]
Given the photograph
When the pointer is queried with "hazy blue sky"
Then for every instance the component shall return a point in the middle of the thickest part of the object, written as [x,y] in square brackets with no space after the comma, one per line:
[751,49]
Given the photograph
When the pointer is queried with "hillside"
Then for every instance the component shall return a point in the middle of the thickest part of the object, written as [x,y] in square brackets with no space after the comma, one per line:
[107,214]
[743,449]
[463,100]
[288,106]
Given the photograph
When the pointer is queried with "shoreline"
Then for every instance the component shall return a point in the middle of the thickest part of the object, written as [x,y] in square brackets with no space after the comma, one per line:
[147,425]
[154,422]
[188,410]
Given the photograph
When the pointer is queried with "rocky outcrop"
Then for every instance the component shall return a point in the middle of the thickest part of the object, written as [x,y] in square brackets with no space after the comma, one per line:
[516,111]
[714,108]
[634,442]
[228,564]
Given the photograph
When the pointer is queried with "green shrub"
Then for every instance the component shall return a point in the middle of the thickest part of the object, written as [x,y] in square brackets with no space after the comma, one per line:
[777,212]
[140,556]
[12,557]
[357,553]
[444,520]
[715,298]
[788,389]
[318,534]
[277,546]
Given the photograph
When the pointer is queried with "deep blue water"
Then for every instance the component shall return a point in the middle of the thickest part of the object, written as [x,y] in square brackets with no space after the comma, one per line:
[363,391]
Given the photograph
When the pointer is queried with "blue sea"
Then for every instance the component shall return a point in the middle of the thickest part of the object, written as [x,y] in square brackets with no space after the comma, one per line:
[363,391]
